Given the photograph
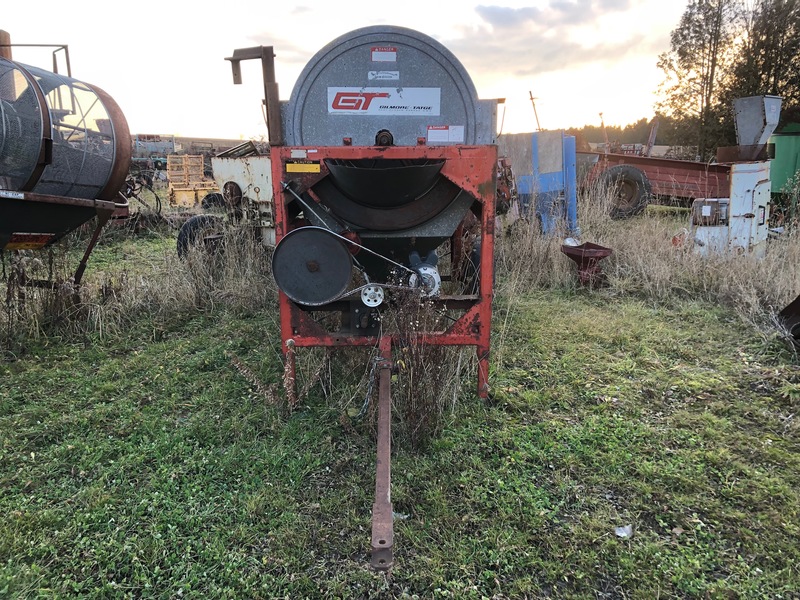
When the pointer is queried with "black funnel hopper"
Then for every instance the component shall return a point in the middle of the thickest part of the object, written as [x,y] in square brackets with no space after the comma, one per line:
[384,183]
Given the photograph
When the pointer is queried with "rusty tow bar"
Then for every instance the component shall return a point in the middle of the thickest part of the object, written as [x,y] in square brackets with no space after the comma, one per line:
[382,513]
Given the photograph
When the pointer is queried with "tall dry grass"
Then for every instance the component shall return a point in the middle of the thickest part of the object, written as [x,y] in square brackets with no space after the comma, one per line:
[238,278]
[645,263]
[654,259]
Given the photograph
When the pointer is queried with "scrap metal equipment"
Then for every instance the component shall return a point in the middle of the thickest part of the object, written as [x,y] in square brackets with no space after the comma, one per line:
[65,150]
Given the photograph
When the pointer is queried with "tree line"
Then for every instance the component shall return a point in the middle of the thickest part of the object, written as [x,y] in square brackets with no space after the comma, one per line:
[719,51]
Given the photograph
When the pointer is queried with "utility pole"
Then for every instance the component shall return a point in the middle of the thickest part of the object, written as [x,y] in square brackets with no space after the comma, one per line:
[535,114]
[605,134]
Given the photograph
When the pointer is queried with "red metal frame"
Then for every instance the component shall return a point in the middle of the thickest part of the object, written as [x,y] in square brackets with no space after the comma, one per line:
[473,169]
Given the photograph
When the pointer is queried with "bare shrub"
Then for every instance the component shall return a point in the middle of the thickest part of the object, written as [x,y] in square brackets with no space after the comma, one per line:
[426,382]
[236,275]
[32,311]
[526,259]
[429,377]
[788,210]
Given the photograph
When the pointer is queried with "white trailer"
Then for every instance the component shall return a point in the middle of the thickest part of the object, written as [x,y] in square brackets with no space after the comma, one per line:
[244,177]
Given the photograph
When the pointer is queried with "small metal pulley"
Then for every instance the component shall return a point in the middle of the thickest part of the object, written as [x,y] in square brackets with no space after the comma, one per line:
[372,295]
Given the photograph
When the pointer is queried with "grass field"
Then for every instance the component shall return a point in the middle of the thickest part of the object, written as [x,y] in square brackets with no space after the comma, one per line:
[640,441]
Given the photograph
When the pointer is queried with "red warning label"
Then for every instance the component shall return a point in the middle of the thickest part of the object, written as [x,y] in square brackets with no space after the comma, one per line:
[384,53]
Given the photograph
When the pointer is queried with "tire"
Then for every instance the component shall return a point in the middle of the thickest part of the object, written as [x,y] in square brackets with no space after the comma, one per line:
[790,317]
[213,200]
[793,327]
[629,188]
[196,229]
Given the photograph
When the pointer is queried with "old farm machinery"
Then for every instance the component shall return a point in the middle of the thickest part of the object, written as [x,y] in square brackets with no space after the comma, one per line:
[384,168]
[65,150]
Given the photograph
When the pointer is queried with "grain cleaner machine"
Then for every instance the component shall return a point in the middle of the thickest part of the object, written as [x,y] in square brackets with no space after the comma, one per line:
[65,150]
[384,177]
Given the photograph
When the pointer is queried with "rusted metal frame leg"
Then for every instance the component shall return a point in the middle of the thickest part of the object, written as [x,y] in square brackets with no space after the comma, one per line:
[483,372]
[290,374]
[382,513]
[288,350]
[486,289]
[102,219]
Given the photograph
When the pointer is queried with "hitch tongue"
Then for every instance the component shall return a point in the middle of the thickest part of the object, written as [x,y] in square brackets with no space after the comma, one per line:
[382,513]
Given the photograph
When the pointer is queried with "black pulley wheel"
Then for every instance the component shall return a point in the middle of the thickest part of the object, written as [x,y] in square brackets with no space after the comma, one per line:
[312,266]
[630,190]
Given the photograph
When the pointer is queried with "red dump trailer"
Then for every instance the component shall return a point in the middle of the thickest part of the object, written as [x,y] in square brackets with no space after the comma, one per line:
[638,179]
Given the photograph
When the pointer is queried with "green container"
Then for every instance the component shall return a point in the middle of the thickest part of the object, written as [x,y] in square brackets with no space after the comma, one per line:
[787,159]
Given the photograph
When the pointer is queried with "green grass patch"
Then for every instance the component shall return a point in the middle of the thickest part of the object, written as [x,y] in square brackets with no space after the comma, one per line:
[634,445]
[147,466]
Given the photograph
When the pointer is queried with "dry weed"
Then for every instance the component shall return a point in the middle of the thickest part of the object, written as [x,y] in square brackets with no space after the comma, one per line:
[653,259]
[237,277]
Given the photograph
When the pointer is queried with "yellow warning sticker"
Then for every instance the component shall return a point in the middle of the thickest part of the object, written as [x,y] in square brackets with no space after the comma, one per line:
[28,241]
[304,166]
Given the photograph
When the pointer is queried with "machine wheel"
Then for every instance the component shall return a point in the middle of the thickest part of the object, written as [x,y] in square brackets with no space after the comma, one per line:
[213,200]
[629,188]
[790,317]
[793,327]
[198,229]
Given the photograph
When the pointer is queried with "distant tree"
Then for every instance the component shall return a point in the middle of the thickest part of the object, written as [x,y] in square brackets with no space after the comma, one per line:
[633,133]
[768,59]
[701,54]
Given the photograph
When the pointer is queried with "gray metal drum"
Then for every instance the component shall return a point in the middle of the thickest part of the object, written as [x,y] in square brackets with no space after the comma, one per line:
[60,136]
[385,78]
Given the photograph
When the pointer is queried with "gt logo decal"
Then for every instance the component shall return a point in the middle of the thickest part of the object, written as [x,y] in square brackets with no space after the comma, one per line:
[355,100]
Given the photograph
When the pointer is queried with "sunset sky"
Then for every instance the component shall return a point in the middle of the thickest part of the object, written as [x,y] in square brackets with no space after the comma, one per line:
[163,62]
